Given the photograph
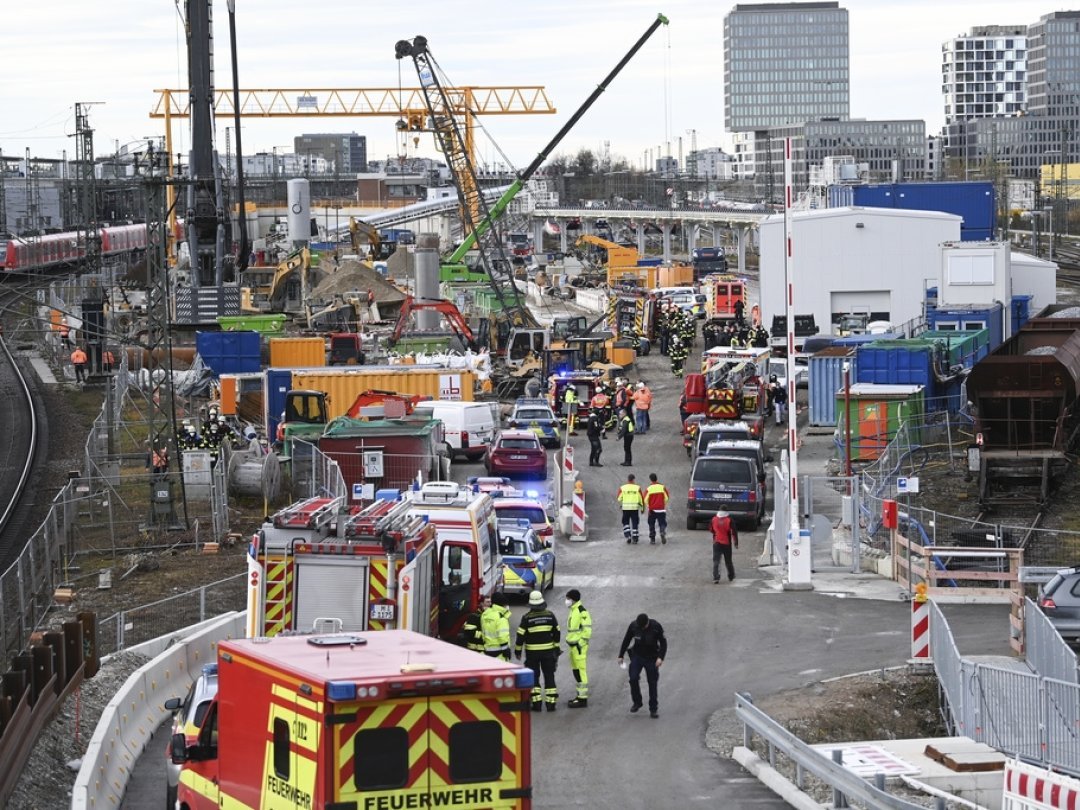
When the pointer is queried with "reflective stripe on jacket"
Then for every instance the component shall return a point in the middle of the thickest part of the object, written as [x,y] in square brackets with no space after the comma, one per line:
[538,632]
[657,497]
[495,628]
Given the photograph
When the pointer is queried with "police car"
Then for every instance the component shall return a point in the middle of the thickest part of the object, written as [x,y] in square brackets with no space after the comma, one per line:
[188,715]
[528,562]
[536,415]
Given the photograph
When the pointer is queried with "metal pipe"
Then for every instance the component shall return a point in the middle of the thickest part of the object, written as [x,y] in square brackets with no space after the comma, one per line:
[847,422]
[244,249]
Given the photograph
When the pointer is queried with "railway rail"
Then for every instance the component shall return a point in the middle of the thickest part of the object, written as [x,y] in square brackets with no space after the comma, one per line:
[23,417]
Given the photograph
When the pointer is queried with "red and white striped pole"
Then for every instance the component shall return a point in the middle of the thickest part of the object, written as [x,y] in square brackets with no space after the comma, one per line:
[568,461]
[920,626]
[798,544]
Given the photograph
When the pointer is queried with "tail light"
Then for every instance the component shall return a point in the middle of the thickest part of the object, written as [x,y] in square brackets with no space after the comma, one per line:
[547,531]
[464,438]
[753,496]
[527,564]
[1047,602]
[690,494]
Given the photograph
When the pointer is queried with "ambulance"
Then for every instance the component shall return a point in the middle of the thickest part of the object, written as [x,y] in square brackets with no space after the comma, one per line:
[364,721]
[469,564]
[319,565]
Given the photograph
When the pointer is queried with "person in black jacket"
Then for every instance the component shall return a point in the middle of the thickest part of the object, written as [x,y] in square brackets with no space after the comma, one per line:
[648,647]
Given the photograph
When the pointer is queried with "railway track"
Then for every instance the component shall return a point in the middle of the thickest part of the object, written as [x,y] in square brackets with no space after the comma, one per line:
[23,420]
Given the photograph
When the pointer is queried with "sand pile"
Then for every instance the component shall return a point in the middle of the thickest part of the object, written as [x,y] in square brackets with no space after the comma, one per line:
[353,276]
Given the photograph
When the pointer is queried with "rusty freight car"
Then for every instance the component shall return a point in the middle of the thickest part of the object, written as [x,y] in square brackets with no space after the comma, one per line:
[1024,397]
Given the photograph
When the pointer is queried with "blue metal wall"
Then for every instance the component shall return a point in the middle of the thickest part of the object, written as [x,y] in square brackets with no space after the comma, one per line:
[229,352]
[963,318]
[975,202]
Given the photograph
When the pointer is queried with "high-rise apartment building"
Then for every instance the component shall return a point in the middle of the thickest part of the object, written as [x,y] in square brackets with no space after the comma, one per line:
[983,73]
[1054,64]
[785,63]
[345,153]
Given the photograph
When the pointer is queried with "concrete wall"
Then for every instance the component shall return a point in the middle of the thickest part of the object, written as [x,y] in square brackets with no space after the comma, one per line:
[893,256]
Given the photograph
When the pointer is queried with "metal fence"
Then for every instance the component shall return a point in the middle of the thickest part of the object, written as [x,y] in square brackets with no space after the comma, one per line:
[1044,648]
[130,627]
[1021,713]
[372,470]
[315,474]
[828,503]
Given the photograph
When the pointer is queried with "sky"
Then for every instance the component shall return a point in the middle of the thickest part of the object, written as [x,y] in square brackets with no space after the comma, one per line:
[117,52]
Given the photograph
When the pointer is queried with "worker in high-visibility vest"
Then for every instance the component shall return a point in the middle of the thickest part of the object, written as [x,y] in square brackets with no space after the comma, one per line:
[578,634]
[570,402]
[538,635]
[78,362]
[656,498]
[495,627]
[632,501]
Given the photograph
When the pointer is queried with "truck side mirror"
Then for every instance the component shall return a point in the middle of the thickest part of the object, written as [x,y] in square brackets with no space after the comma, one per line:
[178,751]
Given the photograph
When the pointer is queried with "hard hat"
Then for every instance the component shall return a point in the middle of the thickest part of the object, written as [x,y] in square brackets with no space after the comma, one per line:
[721,513]
[536,599]
[640,384]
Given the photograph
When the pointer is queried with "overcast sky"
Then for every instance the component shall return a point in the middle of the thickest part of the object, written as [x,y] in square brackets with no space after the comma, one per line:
[118,51]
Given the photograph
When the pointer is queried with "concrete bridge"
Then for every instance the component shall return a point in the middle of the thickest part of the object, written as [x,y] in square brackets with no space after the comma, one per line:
[694,223]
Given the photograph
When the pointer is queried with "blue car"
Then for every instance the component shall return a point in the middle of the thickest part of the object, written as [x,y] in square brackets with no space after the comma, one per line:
[528,563]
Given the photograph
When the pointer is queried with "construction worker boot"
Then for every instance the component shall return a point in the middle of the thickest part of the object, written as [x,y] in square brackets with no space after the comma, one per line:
[537,706]
[663,538]
[552,706]
[578,703]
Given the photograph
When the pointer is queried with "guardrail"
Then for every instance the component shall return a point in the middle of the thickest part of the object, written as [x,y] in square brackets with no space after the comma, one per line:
[135,712]
[846,784]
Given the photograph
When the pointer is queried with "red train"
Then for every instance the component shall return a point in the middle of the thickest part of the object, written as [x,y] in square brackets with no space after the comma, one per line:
[61,248]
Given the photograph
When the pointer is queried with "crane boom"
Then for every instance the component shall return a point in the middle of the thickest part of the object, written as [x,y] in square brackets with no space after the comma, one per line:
[500,205]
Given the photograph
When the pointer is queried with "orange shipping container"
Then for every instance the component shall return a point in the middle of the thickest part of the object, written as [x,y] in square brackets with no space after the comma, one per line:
[302,352]
[342,387]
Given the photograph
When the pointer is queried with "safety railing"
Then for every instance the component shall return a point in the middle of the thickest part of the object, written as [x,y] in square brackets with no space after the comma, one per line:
[846,785]
[1044,648]
[315,474]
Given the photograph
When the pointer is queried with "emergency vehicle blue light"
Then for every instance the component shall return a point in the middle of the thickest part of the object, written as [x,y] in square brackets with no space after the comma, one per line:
[524,679]
[346,690]
[209,669]
[532,493]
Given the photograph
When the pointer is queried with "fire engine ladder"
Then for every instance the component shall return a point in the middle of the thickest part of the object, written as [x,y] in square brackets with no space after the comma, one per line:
[382,517]
[314,513]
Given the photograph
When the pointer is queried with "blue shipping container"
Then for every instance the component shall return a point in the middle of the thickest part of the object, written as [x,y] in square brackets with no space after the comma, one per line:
[967,318]
[826,377]
[278,384]
[899,365]
[974,201]
[860,340]
[229,352]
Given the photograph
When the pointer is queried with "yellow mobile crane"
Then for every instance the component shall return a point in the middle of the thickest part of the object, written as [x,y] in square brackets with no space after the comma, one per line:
[479,217]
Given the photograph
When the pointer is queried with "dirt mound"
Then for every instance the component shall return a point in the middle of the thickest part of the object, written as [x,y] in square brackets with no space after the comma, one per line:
[353,276]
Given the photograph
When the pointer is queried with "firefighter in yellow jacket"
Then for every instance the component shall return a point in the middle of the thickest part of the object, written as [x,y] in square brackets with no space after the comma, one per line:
[495,627]
[578,634]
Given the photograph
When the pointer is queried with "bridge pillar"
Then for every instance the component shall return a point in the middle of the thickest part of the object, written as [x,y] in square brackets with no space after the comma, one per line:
[742,233]
[538,235]
[665,231]
[562,235]
[689,235]
[641,238]
[588,225]
[717,230]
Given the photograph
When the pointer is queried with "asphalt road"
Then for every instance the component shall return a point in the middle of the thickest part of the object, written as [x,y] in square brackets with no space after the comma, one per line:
[747,635]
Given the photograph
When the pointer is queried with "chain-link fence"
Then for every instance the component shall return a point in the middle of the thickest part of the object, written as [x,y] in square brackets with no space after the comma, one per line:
[130,627]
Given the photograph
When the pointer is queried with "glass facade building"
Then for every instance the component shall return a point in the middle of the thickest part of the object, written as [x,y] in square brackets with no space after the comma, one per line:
[785,63]
[1054,64]
[984,73]
[345,152]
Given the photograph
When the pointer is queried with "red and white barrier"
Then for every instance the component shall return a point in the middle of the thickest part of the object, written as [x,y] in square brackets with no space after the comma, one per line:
[1030,788]
[920,627]
[568,461]
[578,515]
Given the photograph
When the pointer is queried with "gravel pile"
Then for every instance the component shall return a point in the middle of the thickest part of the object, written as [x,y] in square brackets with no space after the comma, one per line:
[352,276]
[50,773]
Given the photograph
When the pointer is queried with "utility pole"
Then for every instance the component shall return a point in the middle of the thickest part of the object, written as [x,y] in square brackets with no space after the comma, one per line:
[93,328]
[3,197]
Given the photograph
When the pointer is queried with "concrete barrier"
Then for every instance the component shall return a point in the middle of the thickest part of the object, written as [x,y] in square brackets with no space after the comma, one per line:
[135,712]
[592,300]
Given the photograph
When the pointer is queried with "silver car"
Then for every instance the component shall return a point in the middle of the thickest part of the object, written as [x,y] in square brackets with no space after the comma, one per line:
[188,716]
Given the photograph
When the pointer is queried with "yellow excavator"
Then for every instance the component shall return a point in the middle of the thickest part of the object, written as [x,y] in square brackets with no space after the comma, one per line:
[377,250]
[277,289]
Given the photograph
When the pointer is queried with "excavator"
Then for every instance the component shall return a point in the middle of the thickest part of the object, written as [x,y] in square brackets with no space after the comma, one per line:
[478,216]
[377,249]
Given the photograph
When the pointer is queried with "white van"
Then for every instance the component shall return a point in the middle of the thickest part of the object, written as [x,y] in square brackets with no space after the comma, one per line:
[468,427]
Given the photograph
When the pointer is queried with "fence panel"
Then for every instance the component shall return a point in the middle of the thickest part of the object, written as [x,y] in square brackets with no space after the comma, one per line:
[1009,710]
[838,550]
[1062,718]
[1045,649]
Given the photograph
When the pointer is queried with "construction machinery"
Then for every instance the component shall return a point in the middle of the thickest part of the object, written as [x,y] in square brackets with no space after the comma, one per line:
[377,248]
[479,217]
[276,289]
[447,309]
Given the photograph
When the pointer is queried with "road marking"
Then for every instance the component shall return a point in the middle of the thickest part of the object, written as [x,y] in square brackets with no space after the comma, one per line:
[620,581]
[810,671]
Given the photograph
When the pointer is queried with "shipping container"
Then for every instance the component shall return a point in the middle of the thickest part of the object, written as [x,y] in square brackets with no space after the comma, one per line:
[242,396]
[826,377]
[344,384]
[1021,312]
[875,413]
[965,348]
[229,352]
[297,352]
[973,201]
[934,365]
[851,341]
[264,324]
[383,453]
[965,318]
